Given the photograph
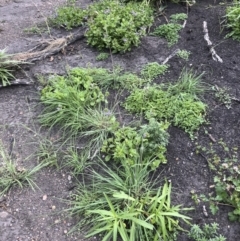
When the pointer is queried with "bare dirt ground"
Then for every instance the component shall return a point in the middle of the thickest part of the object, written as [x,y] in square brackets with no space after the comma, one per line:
[24,214]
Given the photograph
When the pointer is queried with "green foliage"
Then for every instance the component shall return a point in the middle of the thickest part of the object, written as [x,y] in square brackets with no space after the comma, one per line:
[233,23]
[177,103]
[226,179]
[69,16]
[178,17]
[102,56]
[66,98]
[169,31]
[116,79]
[184,54]
[153,70]
[209,232]
[117,26]
[127,144]
[124,203]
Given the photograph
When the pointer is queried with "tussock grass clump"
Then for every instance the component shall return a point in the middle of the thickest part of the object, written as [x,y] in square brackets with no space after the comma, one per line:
[66,98]
[13,175]
[124,203]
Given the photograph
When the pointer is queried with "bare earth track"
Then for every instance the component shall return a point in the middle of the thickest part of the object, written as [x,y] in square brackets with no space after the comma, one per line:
[24,215]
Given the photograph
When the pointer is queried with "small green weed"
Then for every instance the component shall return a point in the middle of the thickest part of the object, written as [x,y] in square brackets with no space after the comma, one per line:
[223,96]
[102,56]
[209,232]
[232,17]
[178,17]
[226,179]
[14,175]
[184,54]
[153,70]
[35,30]
[169,31]
[47,153]
[124,203]
[117,26]
[69,16]
[127,144]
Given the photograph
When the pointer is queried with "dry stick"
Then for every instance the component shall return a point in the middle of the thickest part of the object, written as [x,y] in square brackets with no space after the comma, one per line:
[209,43]
[17,82]
[51,47]
[170,56]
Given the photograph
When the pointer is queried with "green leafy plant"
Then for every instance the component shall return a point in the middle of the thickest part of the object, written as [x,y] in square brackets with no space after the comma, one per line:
[232,17]
[169,31]
[124,203]
[184,54]
[102,56]
[153,70]
[226,177]
[69,16]
[66,98]
[14,175]
[178,103]
[117,26]
[127,144]
[178,17]
[209,232]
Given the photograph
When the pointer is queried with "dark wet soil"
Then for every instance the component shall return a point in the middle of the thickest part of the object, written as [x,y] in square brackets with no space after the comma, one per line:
[24,215]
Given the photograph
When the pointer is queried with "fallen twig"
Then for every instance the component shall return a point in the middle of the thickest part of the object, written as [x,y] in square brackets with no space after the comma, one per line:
[170,56]
[49,48]
[209,43]
[17,82]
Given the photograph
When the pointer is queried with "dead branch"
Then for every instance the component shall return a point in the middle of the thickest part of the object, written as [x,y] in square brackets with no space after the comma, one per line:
[170,56]
[48,48]
[209,43]
[17,82]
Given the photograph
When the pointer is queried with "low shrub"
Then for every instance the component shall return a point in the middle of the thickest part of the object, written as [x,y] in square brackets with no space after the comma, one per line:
[178,103]
[69,17]
[117,26]
[127,144]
